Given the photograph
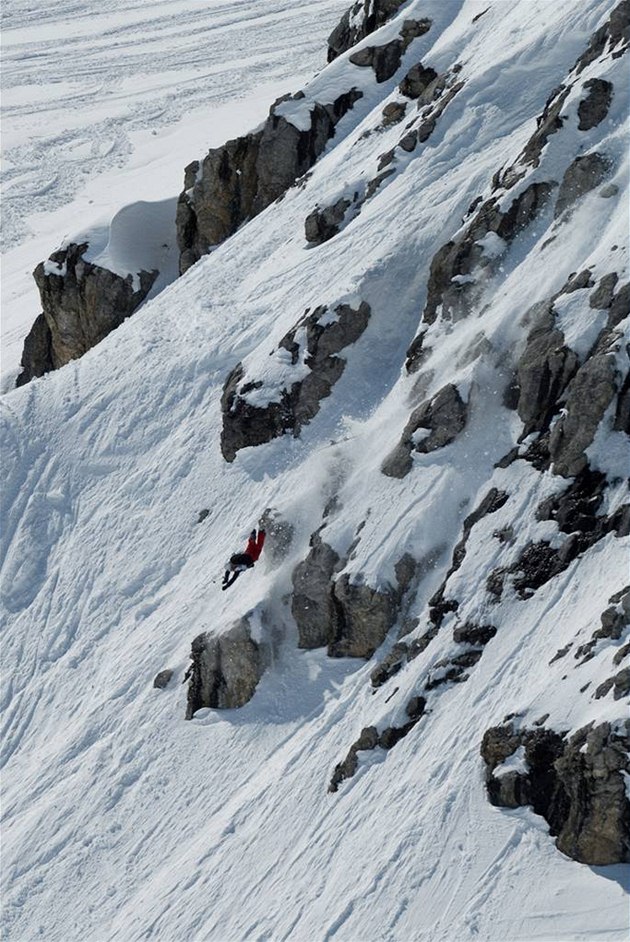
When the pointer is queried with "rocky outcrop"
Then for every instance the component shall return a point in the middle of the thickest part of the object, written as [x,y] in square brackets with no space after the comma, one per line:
[82,303]
[595,105]
[612,38]
[613,622]
[370,739]
[454,283]
[162,679]
[575,783]
[310,350]
[237,181]
[350,618]
[361,19]
[576,511]
[322,224]
[588,396]
[363,617]
[312,603]
[434,424]
[417,81]
[37,355]
[225,669]
[543,373]
[385,60]
[583,175]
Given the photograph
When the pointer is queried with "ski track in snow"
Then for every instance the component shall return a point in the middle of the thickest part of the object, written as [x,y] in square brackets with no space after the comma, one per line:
[124,822]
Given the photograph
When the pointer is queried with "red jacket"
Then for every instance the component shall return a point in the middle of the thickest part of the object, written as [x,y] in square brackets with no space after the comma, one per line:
[255,544]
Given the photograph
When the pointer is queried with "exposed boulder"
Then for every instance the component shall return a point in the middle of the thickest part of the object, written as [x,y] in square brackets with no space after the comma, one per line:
[619,684]
[311,347]
[434,424]
[370,738]
[588,396]
[361,19]
[417,80]
[393,113]
[620,307]
[602,298]
[583,175]
[363,617]
[596,829]
[82,303]
[543,373]
[470,633]
[595,106]
[312,603]
[37,355]
[576,784]
[385,60]
[162,679]
[237,181]
[225,669]
[322,224]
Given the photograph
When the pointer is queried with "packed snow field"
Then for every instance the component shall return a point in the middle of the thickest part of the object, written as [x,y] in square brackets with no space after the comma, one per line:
[123,821]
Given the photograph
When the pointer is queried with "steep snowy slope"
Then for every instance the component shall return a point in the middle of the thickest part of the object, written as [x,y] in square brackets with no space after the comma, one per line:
[102,108]
[465,470]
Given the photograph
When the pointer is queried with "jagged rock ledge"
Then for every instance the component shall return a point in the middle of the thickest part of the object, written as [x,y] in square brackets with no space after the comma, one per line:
[238,180]
[308,365]
[82,303]
[225,669]
[576,784]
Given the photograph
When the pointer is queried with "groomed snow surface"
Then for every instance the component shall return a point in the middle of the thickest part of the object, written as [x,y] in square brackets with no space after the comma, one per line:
[123,821]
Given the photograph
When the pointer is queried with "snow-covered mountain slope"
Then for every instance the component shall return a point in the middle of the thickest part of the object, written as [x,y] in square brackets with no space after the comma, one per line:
[103,107]
[448,505]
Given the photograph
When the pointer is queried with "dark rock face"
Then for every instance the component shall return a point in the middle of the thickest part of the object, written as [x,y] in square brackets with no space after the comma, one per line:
[322,224]
[582,176]
[393,113]
[588,396]
[37,356]
[246,424]
[575,511]
[417,80]
[370,738]
[576,785]
[469,633]
[312,603]
[613,37]
[452,285]
[162,680]
[82,303]
[225,669]
[543,373]
[619,684]
[385,60]
[361,19]
[594,107]
[443,417]
[237,181]
[351,619]
[363,617]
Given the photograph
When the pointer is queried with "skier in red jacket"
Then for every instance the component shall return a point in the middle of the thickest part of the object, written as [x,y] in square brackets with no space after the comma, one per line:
[242,561]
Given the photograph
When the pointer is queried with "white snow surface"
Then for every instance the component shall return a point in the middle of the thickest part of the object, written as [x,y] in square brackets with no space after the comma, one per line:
[123,821]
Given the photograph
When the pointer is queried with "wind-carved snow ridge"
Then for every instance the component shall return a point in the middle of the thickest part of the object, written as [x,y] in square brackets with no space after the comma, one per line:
[411,714]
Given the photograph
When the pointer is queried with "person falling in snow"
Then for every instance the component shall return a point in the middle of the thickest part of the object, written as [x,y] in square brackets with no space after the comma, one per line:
[242,561]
